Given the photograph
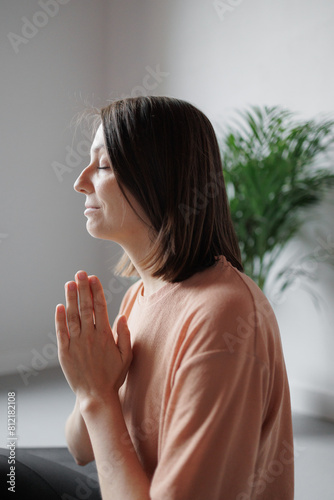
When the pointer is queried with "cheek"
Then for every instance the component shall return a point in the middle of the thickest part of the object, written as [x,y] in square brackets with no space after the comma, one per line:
[109,193]
[103,188]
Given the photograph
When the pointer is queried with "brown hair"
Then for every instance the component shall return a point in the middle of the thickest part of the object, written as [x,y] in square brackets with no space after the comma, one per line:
[165,152]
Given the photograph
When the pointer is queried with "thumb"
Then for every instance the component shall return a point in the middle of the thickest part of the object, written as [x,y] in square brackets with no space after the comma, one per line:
[123,336]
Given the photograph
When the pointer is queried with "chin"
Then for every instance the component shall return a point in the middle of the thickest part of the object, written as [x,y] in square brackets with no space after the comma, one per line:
[94,231]
[98,233]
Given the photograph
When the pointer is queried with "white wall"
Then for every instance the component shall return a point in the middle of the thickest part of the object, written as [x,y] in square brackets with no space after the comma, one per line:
[261,52]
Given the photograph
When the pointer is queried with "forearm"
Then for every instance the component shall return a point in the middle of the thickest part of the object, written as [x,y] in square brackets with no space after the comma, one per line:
[77,437]
[120,473]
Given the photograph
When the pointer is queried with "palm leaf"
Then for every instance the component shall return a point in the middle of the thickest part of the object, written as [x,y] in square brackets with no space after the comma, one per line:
[273,167]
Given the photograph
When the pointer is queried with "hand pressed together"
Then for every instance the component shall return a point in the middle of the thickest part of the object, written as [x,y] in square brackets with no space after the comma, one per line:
[94,359]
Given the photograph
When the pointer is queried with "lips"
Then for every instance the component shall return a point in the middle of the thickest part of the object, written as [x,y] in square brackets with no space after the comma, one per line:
[90,210]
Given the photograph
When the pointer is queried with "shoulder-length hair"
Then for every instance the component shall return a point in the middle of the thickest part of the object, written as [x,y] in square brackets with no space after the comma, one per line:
[165,152]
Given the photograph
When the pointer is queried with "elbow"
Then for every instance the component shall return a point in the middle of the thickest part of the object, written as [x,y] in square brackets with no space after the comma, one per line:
[78,461]
[81,460]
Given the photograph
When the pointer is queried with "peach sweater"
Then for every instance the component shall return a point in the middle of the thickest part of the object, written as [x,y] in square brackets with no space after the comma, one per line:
[206,400]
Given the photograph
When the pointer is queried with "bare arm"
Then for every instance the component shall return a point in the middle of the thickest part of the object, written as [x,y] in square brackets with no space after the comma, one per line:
[77,437]
[120,472]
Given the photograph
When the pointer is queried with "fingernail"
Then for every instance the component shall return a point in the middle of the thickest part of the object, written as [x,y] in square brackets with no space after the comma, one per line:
[81,275]
[60,309]
[71,285]
[93,279]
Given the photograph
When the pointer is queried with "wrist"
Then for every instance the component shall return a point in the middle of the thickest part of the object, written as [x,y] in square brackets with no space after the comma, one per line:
[93,403]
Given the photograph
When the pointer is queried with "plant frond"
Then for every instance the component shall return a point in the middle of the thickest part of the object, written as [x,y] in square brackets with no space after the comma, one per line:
[272,164]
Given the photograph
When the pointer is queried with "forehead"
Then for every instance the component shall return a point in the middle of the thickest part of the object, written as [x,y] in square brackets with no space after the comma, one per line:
[98,142]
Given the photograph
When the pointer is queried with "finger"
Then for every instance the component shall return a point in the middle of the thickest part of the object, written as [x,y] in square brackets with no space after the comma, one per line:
[85,301]
[63,338]
[72,311]
[123,338]
[99,303]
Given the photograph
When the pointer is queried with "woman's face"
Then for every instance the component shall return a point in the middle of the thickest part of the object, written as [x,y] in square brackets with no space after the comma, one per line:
[109,215]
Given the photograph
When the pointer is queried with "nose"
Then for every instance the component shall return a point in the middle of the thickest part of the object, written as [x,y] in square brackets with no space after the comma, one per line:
[83,184]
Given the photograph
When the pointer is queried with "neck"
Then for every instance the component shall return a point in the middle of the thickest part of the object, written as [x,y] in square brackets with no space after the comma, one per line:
[136,255]
[151,285]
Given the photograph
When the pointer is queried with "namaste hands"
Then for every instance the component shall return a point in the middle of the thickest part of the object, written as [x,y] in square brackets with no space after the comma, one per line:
[94,359]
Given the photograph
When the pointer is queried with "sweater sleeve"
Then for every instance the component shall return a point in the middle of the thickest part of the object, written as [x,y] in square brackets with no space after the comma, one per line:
[211,432]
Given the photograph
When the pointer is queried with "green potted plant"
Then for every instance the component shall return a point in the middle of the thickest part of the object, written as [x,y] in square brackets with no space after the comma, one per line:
[275,174]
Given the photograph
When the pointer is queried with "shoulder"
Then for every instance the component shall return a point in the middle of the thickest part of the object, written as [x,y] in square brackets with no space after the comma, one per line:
[221,291]
[227,311]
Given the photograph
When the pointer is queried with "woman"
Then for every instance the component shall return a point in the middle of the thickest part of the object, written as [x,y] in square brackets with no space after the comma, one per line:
[186,396]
